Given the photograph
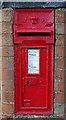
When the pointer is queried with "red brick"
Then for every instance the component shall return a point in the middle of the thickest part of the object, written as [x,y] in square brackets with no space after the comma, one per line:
[61,117]
[60,51]
[7,63]
[0,95]
[7,51]
[7,108]
[59,19]
[0,105]
[64,40]
[0,51]
[7,14]
[65,16]
[65,110]
[60,28]
[7,40]
[0,68]
[59,98]
[65,91]
[0,74]
[7,85]
[7,96]
[59,113]
[59,11]
[40,118]
[59,16]
[0,15]
[0,28]
[57,105]
[59,86]
[64,63]
[60,40]
[59,75]
[7,27]
[7,74]
[1,40]
[0,116]
[9,117]
[59,63]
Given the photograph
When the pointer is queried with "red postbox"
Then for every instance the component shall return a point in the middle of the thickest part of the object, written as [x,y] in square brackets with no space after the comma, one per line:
[34,49]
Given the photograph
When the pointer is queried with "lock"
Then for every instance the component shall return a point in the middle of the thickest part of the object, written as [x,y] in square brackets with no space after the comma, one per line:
[27,82]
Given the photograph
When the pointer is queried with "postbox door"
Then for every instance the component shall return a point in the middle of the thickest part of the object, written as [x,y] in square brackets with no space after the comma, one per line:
[34,77]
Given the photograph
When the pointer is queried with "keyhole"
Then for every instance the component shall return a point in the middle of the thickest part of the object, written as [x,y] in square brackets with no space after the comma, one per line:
[22,105]
[27,82]
[43,20]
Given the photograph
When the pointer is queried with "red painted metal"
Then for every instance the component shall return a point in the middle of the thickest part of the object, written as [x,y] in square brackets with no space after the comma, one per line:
[34,30]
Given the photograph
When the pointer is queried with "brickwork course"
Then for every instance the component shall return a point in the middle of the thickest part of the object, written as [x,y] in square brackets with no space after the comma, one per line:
[7,80]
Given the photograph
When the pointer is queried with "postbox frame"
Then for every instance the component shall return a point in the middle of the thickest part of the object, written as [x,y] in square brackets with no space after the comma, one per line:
[18,86]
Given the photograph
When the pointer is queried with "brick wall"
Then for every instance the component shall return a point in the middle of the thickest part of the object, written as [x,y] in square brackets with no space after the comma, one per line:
[7,70]
[60,59]
[7,63]
[0,56]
